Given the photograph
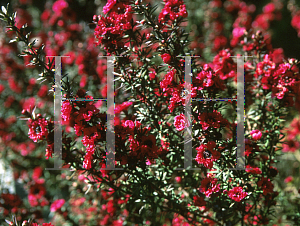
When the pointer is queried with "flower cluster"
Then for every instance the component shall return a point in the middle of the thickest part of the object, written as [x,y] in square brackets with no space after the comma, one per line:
[111,28]
[146,104]
[172,10]
[209,186]
[208,79]
[207,154]
[237,194]
[212,120]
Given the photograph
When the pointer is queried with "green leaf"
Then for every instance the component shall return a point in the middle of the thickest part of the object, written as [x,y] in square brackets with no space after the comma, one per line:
[4,10]
[13,40]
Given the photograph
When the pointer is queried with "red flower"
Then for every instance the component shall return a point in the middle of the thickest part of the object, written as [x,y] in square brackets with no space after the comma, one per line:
[44,224]
[49,150]
[10,200]
[43,91]
[214,119]
[266,185]
[296,22]
[209,185]
[122,107]
[37,129]
[166,58]
[56,205]
[151,75]
[1,88]
[224,65]
[113,26]
[254,170]
[199,201]
[109,5]
[36,195]
[174,100]
[169,77]
[207,78]
[66,109]
[269,8]
[172,10]
[237,194]
[37,173]
[265,68]
[207,154]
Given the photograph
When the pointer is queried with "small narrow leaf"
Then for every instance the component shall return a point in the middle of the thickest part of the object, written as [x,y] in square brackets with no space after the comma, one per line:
[4,10]
[13,40]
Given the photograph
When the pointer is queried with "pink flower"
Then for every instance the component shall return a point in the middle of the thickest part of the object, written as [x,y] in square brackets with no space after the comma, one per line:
[166,58]
[288,179]
[180,122]
[269,8]
[129,124]
[56,205]
[256,134]
[109,5]
[59,6]
[237,194]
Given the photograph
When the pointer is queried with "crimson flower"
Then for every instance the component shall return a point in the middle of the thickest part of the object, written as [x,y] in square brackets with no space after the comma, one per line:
[207,154]
[199,201]
[296,22]
[172,10]
[113,26]
[266,185]
[37,129]
[36,194]
[66,109]
[209,185]
[44,224]
[237,194]
[253,170]
[169,77]
[166,58]
[208,78]
[213,120]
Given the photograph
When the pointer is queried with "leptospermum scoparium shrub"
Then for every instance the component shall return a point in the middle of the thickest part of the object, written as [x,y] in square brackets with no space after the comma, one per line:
[151,185]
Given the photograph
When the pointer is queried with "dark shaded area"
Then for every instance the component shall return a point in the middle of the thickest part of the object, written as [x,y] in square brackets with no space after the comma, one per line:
[285,36]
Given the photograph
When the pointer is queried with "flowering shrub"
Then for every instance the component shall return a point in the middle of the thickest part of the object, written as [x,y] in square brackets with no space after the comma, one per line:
[150,184]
